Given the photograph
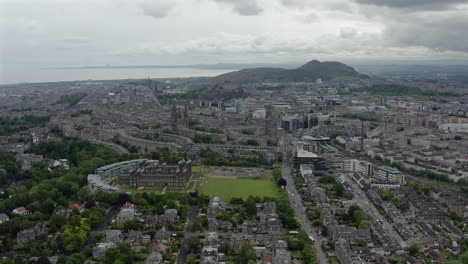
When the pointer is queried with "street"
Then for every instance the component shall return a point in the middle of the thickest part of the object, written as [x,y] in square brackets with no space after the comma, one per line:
[296,202]
[184,251]
[368,206]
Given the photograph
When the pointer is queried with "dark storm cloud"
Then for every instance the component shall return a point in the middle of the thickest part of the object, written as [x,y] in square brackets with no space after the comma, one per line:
[446,33]
[243,7]
[414,4]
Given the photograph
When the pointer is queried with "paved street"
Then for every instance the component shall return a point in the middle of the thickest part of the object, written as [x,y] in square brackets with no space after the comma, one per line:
[102,227]
[368,206]
[189,229]
[296,201]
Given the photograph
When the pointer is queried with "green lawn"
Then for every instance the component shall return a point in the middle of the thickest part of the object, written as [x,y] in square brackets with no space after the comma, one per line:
[227,188]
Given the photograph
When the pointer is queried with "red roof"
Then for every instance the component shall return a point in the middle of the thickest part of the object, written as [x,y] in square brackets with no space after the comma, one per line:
[128,205]
[75,206]
[21,209]
[158,248]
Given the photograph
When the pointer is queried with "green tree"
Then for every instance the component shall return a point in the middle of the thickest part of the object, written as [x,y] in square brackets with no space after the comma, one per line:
[455,216]
[414,250]
[246,253]
[317,222]
[133,225]
[56,222]
[339,189]
[327,179]
[308,256]
[250,206]
[225,247]
[192,259]
[194,244]
[252,142]
[365,224]
[74,237]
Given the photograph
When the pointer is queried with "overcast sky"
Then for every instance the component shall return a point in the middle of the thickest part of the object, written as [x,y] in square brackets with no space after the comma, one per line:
[53,33]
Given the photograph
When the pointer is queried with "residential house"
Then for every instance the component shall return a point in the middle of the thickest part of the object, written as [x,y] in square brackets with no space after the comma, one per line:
[4,218]
[24,236]
[154,258]
[100,249]
[21,211]
[114,236]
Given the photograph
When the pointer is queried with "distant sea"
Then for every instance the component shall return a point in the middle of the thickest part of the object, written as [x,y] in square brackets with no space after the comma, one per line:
[82,74]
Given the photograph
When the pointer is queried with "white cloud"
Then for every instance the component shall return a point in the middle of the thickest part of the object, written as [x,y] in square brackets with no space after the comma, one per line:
[243,7]
[309,18]
[348,32]
[157,8]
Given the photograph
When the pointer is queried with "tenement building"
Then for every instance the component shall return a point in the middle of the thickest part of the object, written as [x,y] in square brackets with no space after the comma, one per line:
[156,175]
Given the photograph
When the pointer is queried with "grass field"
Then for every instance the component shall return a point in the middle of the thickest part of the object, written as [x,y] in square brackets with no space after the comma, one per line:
[227,188]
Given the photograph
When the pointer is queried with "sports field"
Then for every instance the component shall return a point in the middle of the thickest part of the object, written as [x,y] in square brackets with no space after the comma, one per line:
[227,188]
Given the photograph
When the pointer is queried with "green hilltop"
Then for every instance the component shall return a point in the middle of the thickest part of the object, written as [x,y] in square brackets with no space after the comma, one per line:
[309,72]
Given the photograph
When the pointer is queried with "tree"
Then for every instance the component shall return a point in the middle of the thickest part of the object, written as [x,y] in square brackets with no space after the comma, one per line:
[194,244]
[327,179]
[56,222]
[302,235]
[295,245]
[123,198]
[317,222]
[246,253]
[133,149]
[155,156]
[250,206]
[192,259]
[75,220]
[455,216]
[252,142]
[225,247]
[396,201]
[282,182]
[414,250]
[385,194]
[237,200]
[308,256]
[359,216]
[133,225]
[394,260]
[365,224]
[90,204]
[339,189]
[42,260]
[95,218]
[74,237]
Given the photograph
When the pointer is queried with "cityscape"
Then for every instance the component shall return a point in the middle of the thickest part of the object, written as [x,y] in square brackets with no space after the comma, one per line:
[329,161]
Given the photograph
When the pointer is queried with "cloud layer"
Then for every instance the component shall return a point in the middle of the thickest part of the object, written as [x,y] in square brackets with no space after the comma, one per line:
[414,4]
[68,33]
[243,7]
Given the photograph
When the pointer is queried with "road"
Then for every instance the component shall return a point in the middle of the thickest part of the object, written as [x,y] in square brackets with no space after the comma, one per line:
[296,202]
[364,202]
[102,227]
[189,232]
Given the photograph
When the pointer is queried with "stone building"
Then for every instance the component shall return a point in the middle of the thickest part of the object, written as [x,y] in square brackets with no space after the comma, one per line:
[156,175]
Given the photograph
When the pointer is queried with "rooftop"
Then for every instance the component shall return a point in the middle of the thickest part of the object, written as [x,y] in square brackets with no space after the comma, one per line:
[390,169]
[305,154]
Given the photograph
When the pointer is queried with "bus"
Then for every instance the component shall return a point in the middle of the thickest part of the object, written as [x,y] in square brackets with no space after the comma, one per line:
[312,240]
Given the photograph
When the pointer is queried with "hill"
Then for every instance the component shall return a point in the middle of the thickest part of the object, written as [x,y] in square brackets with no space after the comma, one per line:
[310,72]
